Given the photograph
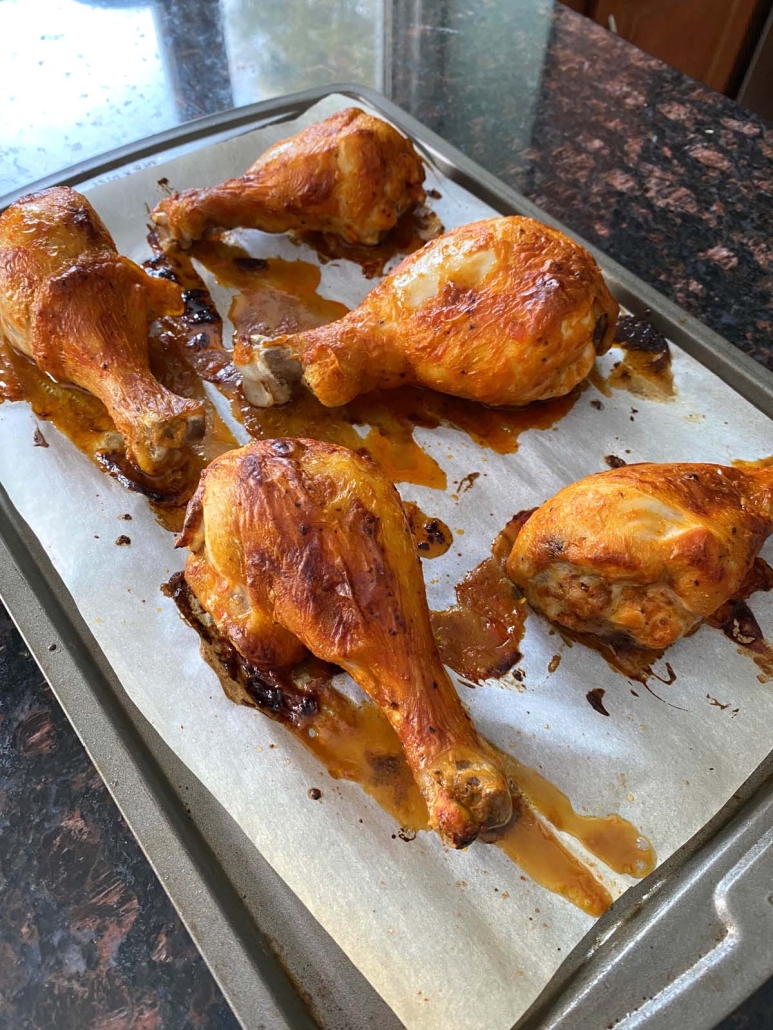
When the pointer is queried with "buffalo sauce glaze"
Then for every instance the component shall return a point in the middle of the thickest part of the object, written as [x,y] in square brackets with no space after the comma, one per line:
[276,297]
[355,742]
[756,463]
[645,366]
[479,636]
[621,655]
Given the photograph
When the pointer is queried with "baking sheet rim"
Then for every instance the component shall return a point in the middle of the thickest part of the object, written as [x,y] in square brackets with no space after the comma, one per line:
[702,343]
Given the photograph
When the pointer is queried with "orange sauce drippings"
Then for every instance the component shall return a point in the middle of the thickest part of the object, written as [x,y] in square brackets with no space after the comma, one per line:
[432,536]
[233,267]
[355,742]
[479,636]
[535,849]
[610,838]
[389,440]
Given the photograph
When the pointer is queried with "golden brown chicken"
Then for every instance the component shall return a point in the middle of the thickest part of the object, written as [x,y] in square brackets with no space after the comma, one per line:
[505,311]
[352,175]
[300,544]
[81,311]
[646,552]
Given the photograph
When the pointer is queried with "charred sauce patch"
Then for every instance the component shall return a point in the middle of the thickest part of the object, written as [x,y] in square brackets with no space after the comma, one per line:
[645,366]
[432,535]
[738,623]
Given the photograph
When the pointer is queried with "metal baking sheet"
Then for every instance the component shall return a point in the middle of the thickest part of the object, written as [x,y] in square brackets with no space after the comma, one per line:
[746,377]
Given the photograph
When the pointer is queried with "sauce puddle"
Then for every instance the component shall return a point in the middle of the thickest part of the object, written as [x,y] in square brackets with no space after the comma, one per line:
[645,367]
[612,839]
[737,621]
[356,743]
[479,637]
[433,537]
[277,296]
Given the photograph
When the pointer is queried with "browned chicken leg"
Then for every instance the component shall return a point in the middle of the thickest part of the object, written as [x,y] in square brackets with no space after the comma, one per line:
[297,542]
[504,311]
[81,311]
[646,552]
[352,175]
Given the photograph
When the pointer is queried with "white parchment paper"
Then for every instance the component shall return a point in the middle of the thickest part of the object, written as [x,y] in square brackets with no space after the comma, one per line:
[429,927]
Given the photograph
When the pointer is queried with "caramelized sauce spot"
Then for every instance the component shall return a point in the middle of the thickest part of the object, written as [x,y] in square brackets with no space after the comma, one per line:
[737,621]
[479,636]
[645,369]
[432,536]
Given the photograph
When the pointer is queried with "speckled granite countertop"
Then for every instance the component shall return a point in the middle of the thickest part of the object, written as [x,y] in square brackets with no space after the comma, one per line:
[671,179]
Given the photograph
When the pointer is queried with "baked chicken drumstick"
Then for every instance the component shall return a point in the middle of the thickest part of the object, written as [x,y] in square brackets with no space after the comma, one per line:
[646,552]
[505,311]
[70,302]
[352,175]
[300,544]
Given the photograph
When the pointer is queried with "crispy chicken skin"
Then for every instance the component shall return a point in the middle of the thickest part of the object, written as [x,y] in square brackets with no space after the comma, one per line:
[505,311]
[645,552]
[81,311]
[352,175]
[299,544]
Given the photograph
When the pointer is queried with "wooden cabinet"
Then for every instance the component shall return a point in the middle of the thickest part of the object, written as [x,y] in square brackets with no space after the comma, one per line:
[707,39]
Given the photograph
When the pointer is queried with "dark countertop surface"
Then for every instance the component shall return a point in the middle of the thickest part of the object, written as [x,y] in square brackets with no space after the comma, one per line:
[668,177]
